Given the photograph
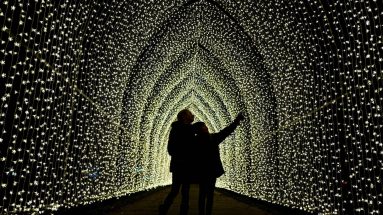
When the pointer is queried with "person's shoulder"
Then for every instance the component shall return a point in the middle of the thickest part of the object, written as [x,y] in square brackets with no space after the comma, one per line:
[215,136]
[175,124]
[179,127]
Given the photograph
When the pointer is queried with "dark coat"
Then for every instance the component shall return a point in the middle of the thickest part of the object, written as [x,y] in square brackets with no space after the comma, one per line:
[210,163]
[179,146]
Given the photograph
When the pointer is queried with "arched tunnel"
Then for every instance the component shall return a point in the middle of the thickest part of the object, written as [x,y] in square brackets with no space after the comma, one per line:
[89,90]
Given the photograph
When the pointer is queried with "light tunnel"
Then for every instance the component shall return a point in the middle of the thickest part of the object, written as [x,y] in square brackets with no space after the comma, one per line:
[89,90]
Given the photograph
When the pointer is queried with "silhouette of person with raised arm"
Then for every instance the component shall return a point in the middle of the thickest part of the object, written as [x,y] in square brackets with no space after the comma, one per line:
[180,142]
[210,164]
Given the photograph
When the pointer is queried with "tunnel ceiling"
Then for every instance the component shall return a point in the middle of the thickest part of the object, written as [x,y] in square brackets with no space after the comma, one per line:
[89,90]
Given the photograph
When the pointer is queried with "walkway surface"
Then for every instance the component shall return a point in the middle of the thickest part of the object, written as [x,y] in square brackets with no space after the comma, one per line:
[147,204]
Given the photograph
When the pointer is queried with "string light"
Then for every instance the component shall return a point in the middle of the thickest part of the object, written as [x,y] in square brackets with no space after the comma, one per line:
[89,90]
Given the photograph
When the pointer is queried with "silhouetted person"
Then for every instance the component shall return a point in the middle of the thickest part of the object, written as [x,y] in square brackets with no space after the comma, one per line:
[210,162]
[180,141]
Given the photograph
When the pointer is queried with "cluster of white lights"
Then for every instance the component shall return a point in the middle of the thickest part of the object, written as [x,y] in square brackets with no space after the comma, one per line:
[89,89]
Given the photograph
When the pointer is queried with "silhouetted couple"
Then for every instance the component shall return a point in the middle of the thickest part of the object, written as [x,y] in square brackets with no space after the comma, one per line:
[195,158]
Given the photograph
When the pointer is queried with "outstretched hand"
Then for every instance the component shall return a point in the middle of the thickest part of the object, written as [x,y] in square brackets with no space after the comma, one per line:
[239,117]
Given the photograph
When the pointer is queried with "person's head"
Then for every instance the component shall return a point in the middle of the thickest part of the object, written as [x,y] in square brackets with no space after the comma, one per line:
[200,128]
[185,116]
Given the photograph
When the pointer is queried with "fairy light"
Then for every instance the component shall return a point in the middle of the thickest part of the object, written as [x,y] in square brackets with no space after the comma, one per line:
[89,90]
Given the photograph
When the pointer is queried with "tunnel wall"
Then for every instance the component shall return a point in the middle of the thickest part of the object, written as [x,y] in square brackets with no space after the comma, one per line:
[89,89]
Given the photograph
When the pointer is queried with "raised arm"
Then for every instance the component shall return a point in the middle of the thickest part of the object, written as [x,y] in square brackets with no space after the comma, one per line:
[220,136]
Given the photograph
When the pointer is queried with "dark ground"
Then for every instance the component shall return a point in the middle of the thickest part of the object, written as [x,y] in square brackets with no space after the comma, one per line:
[146,203]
